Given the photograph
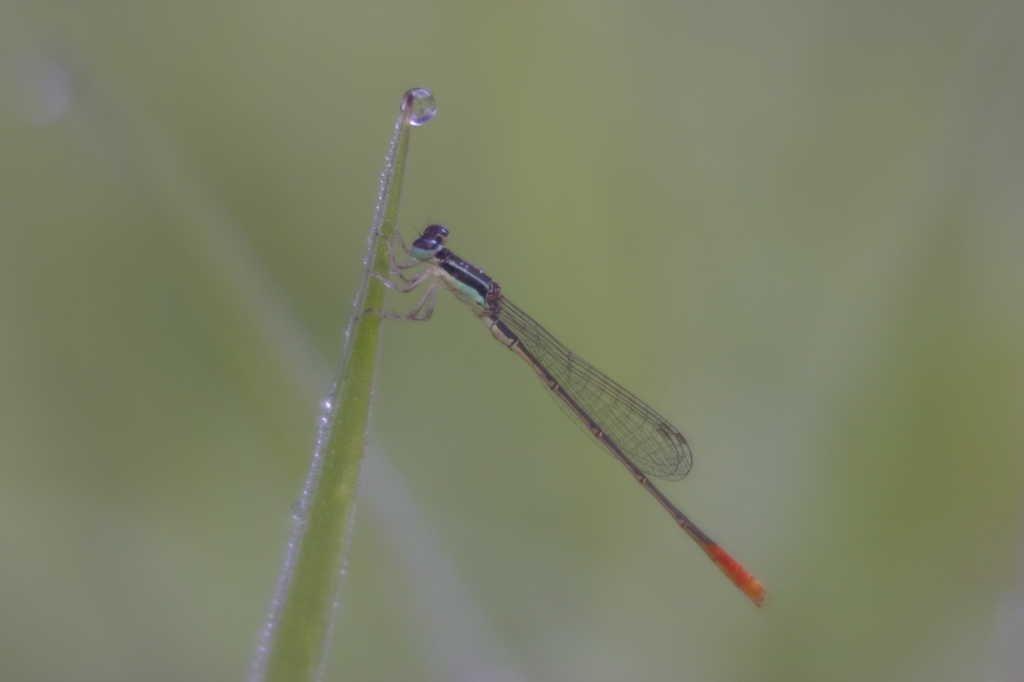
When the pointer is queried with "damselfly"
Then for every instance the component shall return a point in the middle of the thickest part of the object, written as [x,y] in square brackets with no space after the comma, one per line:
[640,438]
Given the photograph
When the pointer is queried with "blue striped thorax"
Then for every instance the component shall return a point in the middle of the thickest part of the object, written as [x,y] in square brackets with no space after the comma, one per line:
[469,283]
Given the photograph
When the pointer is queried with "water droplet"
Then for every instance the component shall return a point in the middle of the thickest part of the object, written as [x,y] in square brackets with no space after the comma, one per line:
[423,106]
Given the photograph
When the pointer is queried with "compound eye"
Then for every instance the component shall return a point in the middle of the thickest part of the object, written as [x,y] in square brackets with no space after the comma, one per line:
[437,232]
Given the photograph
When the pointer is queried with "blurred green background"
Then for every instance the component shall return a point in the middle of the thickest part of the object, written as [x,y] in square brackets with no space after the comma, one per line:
[797,229]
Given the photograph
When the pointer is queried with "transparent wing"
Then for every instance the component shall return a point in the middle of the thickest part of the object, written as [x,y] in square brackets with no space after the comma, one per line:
[655,446]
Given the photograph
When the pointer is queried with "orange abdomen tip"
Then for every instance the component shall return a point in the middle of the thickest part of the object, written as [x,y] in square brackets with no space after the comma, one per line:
[740,577]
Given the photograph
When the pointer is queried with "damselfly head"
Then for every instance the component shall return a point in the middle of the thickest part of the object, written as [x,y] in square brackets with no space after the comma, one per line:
[430,242]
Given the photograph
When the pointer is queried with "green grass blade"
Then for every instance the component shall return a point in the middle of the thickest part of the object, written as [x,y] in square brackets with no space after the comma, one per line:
[297,635]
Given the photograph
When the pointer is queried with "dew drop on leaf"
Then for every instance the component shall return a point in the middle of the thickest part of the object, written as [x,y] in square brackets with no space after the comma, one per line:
[423,106]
